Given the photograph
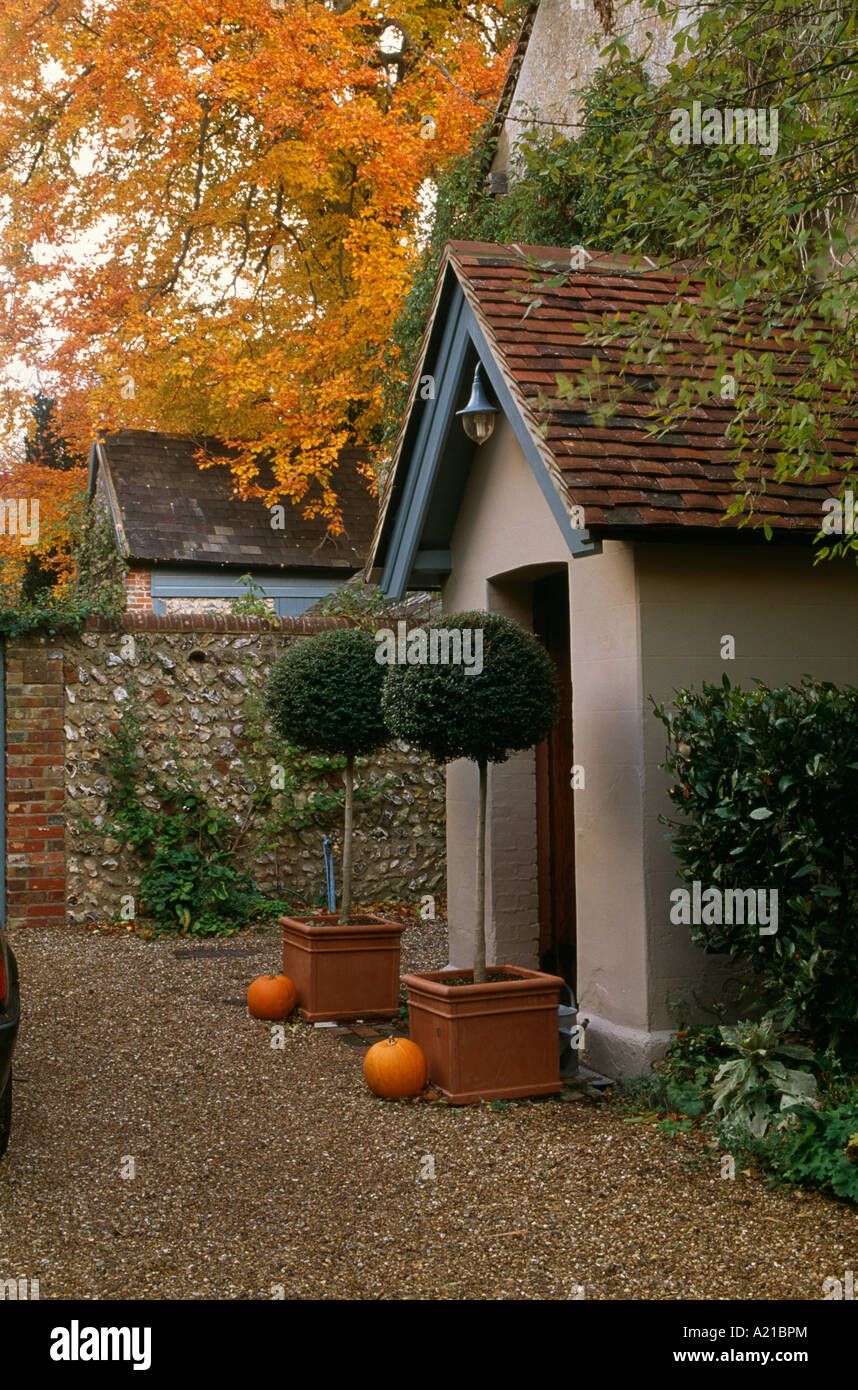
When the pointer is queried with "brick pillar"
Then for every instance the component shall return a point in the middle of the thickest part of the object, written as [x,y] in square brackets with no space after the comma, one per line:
[35,783]
[138,591]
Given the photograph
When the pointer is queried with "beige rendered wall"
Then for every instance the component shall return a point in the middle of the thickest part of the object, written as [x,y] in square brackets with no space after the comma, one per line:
[788,619]
[505,536]
[646,618]
[608,744]
[563,55]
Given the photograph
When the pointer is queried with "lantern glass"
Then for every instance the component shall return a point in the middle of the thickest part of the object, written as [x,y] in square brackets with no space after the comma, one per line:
[478,417]
[479,425]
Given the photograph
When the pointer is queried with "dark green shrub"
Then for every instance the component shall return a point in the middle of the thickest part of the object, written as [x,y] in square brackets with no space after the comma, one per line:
[510,705]
[324,695]
[766,784]
[452,712]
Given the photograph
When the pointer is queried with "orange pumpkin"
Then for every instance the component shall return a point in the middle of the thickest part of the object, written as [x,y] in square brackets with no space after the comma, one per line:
[395,1068]
[272,996]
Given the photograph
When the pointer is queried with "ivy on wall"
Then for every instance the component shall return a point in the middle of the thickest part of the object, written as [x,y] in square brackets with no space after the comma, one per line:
[192,854]
[558,197]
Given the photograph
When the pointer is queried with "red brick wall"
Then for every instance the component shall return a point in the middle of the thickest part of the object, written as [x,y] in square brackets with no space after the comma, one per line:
[138,591]
[35,823]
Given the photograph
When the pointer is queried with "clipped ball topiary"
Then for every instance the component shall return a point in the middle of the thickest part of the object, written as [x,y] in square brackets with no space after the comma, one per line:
[324,696]
[450,711]
[503,699]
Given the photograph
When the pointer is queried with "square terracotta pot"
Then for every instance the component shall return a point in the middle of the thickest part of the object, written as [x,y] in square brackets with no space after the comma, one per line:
[347,971]
[488,1042]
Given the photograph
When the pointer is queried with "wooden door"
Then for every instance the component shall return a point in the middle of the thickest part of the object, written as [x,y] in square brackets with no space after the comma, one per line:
[554,795]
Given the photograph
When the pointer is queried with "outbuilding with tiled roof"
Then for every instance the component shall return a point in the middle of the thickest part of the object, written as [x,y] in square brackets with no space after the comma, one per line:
[610,541]
[188,537]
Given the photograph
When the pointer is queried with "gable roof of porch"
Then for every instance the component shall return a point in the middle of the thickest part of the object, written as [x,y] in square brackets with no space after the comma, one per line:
[492,303]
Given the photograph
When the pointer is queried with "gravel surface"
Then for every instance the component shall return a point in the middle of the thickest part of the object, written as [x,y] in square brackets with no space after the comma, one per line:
[260,1172]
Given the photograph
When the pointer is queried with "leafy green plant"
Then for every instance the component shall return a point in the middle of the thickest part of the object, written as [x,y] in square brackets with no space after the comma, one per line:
[190,878]
[364,603]
[765,784]
[824,1150]
[252,602]
[203,892]
[750,1089]
[681,1082]
[451,712]
[766,1115]
[838,1082]
[671,1127]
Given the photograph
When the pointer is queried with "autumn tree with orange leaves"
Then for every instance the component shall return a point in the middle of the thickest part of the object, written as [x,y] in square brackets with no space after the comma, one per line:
[59,560]
[211,212]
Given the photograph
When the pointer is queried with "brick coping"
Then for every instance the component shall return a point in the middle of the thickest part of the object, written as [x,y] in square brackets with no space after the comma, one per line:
[212,622]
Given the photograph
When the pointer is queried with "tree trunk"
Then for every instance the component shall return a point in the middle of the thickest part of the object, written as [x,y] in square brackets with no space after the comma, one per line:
[346,904]
[480,923]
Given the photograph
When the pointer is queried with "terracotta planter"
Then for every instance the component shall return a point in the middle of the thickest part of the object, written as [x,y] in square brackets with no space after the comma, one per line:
[491,1041]
[347,971]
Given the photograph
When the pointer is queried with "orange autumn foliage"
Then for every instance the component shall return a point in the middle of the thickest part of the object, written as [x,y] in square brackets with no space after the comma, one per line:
[39,507]
[213,209]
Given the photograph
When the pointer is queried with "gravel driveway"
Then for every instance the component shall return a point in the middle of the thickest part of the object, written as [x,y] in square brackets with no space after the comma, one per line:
[258,1171]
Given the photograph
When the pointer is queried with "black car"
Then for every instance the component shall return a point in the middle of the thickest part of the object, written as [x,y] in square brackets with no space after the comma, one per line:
[8,1034]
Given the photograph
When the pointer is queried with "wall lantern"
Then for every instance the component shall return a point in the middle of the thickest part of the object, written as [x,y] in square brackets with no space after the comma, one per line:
[478,417]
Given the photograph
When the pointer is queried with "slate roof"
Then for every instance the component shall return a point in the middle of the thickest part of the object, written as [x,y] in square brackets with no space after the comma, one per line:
[169,509]
[628,481]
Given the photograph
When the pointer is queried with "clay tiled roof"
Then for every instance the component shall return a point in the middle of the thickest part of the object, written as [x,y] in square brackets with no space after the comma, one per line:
[624,477]
[169,509]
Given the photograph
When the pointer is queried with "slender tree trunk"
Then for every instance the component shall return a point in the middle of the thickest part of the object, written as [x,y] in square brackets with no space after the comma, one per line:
[480,924]
[346,904]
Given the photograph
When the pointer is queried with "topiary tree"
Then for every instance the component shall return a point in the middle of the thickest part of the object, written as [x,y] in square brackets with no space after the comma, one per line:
[451,710]
[323,695]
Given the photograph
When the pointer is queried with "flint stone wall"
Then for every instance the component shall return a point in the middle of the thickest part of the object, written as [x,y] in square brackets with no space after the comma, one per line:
[189,682]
